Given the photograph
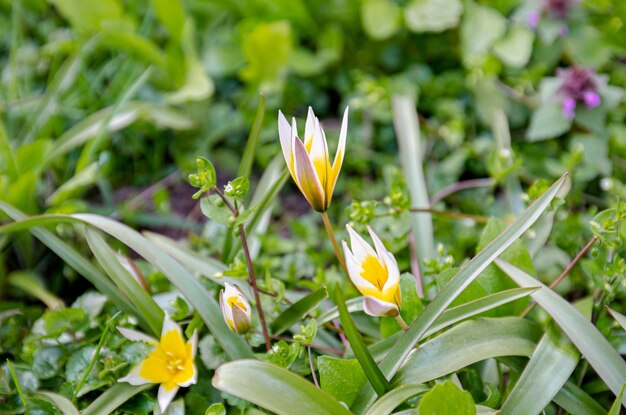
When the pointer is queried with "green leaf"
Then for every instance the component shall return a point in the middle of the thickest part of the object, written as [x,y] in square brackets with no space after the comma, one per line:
[216,409]
[616,407]
[476,43]
[592,344]
[547,122]
[374,375]
[33,286]
[59,321]
[515,49]
[392,399]
[172,15]
[380,18]
[411,306]
[468,343]
[550,366]
[237,188]
[267,48]
[620,318]
[88,17]
[432,15]
[7,158]
[247,159]
[47,362]
[144,303]
[59,401]
[461,280]
[577,402]
[274,388]
[112,398]
[341,378]
[297,311]
[406,124]
[215,209]
[447,398]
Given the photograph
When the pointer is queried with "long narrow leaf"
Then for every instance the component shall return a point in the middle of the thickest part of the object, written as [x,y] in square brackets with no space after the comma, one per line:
[586,337]
[468,343]
[275,389]
[620,318]
[245,166]
[112,398]
[59,401]
[297,311]
[148,308]
[392,399]
[550,366]
[373,373]
[454,287]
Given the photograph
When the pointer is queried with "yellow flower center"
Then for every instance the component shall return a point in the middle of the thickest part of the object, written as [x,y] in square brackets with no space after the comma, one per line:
[170,363]
[235,300]
[374,272]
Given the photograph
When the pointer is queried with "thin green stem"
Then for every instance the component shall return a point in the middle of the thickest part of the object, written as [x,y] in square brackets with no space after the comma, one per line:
[331,235]
[401,322]
[95,356]
[17,383]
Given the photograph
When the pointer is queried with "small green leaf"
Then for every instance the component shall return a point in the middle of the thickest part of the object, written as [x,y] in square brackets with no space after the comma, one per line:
[547,122]
[238,188]
[432,15]
[216,409]
[515,49]
[215,209]
[297,311]
[380,18]
[342,378]
[445,399]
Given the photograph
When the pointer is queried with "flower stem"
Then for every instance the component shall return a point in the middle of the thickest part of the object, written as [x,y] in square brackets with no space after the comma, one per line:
[331,235]
[312,367]
[401,322]
[246,254]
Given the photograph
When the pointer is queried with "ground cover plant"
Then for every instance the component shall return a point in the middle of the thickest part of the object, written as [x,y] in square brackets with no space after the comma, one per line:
[312,207]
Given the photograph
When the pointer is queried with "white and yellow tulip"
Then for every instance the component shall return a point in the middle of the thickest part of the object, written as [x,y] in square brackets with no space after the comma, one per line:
[170,364]
[309,161]
[374,273]
[235,309]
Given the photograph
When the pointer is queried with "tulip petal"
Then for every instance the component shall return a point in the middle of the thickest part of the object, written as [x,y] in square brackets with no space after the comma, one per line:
[169,325]
[360,248]
[284,133]
[337,163]
[319,154]
[194,343]
[136,336]
[134,378]
[307,177]
[375,307]
[309,129]
[389,261]
[165,397]
[354,272]
[192,380]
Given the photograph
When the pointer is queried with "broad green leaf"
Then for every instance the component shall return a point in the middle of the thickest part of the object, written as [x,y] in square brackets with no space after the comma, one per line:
[455,286]
[108,260]
[247,159]
[112,398]
[608,364]
[411,306]
[515,49]
[341,378]
[476,43]
[267,48]
[447,398]
[31,285]
[468,343]
[392,399]
[547,122]
[274,388]
[297,311]
[373,373]
[59,401]
[75,260]
[406,124]
[432,15]
[620,318]
[616,407]
[172,15]
[88,16]
[198,85]
[549,367]
[380,18]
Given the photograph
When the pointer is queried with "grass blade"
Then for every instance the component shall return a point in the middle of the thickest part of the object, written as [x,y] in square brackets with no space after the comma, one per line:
[468,343]
[373,373]
[144,303]
[274,388]
[586,337]
[392,399]
[245,167]
[615,408]
[112,398]
[620,318]
[59,401]
[455,286]
[297,311]
[550,366]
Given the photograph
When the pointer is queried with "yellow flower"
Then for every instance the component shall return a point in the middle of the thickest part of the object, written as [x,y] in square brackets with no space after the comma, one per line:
[374,273]
[235,309]
[309,161]
[171,363]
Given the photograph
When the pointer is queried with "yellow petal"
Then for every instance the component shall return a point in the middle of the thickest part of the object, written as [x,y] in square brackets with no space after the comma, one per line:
[337,163]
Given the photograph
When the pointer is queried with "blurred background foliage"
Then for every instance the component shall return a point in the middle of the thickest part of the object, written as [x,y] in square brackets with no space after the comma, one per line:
[105,105]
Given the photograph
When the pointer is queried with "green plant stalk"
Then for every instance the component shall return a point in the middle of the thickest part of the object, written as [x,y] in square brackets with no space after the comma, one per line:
[17,383]
[401,322]
[331,235]
[95,355]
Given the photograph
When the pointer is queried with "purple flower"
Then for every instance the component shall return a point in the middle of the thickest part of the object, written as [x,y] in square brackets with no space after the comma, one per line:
[533,19]
[578,85]
[559,9]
